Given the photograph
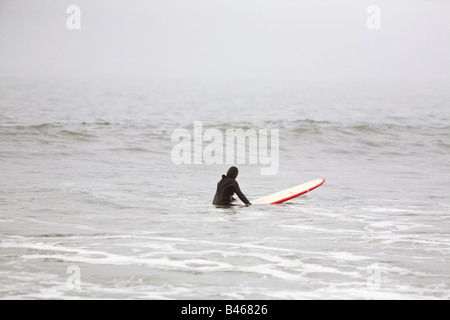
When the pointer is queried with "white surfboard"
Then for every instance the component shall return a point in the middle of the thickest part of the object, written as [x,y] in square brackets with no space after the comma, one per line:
[285,195]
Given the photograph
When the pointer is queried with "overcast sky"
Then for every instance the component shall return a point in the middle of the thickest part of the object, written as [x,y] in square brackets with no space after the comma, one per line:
[227,39]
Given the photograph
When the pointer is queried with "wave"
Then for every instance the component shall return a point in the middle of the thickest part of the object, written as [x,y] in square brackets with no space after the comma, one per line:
[294,126]
[387,138]
[84,131]
[317,126]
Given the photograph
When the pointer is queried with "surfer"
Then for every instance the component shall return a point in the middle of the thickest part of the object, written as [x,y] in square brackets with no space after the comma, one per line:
[227,187]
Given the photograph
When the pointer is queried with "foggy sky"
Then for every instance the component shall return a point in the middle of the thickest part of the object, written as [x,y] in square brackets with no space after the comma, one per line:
[227,39]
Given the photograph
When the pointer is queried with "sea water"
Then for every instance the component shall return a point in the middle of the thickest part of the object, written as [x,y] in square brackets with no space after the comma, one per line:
[93,207]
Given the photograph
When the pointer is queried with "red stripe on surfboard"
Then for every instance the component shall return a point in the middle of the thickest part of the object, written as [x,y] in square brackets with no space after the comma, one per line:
[299,194]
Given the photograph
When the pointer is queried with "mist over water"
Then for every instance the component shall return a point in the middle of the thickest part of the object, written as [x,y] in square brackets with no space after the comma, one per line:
[88,182]
[308,40]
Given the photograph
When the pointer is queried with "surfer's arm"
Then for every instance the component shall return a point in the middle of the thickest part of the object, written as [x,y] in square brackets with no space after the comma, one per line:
[239,193]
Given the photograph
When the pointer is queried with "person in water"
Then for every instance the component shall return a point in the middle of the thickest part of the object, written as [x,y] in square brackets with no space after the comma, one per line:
[227,187]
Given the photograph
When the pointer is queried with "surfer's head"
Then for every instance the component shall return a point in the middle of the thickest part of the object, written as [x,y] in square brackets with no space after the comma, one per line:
[233,172]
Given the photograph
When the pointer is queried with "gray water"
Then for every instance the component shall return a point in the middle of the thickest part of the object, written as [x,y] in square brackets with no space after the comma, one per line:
[87,182]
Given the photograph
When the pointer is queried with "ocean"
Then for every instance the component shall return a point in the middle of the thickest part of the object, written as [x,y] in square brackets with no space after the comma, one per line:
[92,205]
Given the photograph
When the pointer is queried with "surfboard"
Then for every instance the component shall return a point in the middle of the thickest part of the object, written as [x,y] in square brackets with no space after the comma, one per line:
[288,194]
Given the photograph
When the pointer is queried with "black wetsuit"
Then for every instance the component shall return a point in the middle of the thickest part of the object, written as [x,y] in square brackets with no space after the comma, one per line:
[227,187]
